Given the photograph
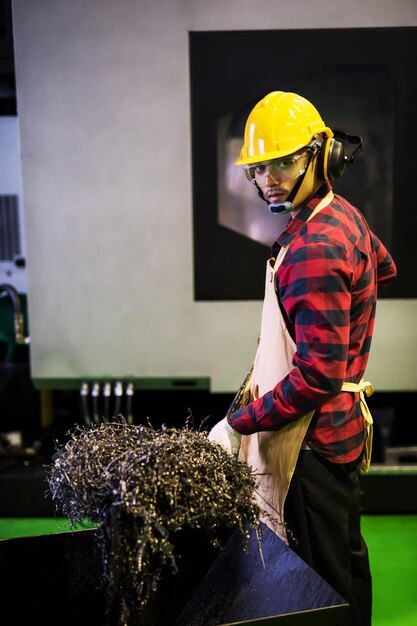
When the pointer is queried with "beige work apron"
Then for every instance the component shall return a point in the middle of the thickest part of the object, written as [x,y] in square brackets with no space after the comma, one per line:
[274,454]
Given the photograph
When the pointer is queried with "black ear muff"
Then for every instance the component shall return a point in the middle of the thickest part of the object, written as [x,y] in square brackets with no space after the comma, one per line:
[332,159]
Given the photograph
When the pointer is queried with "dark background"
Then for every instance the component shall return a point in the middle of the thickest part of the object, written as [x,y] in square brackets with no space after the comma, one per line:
[358,76]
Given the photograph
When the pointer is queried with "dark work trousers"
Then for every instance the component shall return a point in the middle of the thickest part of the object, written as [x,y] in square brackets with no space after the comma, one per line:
[322,513]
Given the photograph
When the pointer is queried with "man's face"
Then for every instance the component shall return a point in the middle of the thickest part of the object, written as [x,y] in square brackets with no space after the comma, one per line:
[278,177]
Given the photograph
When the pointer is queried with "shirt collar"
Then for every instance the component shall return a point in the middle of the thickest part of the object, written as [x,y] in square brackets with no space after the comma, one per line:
[295,224]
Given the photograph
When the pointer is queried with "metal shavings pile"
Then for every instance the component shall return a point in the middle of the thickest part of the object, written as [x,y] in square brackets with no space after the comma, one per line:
[141,485]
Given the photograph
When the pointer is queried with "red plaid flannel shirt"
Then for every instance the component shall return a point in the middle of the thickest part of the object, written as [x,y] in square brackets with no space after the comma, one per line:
[327,288]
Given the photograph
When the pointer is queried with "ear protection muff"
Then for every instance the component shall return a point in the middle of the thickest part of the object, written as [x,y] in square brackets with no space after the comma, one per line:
[332,159]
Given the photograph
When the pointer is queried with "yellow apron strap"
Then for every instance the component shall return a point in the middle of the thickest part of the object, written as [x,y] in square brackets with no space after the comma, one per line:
[364,388]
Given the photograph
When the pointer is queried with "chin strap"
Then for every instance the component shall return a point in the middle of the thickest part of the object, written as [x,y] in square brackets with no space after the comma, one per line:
[286,207]
[276,209]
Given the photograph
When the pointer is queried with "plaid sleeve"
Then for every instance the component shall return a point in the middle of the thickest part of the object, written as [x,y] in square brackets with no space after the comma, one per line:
[314,286]
[386,270]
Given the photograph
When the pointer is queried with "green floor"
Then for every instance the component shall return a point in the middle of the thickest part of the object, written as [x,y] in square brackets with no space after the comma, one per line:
[28,527]
[392,543]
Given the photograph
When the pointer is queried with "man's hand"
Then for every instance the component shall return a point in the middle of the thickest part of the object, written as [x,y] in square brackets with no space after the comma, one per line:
[223,434]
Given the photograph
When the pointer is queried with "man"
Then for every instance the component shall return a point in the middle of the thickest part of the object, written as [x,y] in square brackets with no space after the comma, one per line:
[306,429]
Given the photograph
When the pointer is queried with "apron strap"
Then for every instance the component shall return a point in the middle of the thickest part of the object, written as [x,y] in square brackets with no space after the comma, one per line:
[323,203]
[364,388]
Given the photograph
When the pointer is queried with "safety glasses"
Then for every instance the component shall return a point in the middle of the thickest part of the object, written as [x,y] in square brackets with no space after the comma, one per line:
[289,167]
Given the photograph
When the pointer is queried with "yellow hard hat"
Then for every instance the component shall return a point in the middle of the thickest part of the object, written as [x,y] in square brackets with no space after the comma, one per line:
[280,124]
